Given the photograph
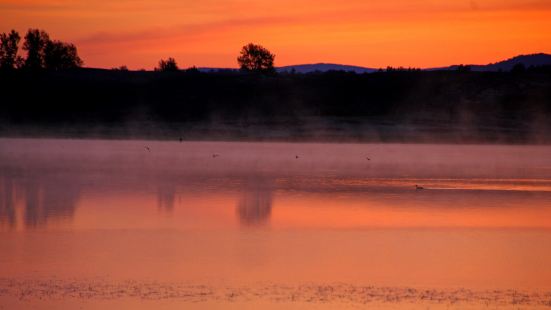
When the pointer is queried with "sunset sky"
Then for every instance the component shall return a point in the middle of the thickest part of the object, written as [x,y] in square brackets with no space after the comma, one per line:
[209,33]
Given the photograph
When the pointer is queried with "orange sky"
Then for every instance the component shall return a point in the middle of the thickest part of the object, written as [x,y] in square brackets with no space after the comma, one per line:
[209,33]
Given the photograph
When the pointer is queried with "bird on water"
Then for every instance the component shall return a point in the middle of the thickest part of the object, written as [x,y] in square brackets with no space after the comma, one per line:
[417,187]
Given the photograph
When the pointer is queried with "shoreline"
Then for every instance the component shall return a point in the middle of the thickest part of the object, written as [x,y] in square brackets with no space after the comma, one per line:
[237,134]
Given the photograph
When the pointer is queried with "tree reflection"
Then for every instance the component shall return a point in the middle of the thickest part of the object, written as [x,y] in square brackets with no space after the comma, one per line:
[47,198]
[44,198]
[7,202]
[166,195]
[255,205]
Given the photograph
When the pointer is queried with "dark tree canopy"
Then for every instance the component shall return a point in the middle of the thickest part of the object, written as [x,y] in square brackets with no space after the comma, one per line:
[167,65]
[60,56]
[9,45]
[463,68]
[35,44]
[386,106]
[121,68]
[256,58]
[43,53]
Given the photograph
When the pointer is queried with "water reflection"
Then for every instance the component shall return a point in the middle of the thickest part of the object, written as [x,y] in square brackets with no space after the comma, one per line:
[43,198]
[47,199]
[113,181]
[166,195]
[7,202]
[255,205]
[330,219]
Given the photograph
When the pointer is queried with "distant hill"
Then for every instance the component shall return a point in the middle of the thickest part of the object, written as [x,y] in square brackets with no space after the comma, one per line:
[210,69]
[323,67]
[506,65]
[540,59]
[306,68]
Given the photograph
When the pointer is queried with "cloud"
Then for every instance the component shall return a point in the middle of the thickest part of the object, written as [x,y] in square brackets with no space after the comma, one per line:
[188,30]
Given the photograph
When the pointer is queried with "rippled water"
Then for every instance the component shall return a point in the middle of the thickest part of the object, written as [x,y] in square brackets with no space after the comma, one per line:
[215,224]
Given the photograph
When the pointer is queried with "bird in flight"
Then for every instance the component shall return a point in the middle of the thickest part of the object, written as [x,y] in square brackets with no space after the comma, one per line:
[148,149]
[417,187]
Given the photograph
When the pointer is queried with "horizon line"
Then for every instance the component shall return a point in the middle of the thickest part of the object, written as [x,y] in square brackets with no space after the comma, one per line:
[337,64]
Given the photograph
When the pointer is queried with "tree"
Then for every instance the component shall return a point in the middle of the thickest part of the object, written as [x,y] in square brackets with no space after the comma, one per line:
[9,45]
[121,68]
[61,56]
[167,65]
[256,58]
[463,68]
[35,44]
[43,53]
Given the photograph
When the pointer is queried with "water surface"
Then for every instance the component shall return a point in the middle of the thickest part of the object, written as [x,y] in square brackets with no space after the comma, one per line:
[216,224]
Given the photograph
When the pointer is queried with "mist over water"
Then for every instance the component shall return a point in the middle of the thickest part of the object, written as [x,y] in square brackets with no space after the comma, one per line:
[238,214]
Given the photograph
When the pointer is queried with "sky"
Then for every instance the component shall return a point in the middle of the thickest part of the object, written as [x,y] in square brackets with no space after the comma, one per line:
[210,33]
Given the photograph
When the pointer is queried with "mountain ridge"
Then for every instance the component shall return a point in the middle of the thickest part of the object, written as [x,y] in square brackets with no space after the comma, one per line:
[536,59]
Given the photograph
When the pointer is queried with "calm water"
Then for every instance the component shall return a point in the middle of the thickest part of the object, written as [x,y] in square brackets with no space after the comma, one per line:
[115,224]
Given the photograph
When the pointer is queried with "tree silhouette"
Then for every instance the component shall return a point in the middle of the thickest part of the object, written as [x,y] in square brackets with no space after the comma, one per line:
[167,65]
[256,58]
[193,70]
[9,45]
[463,68]
[121,68]
[35,44]
[61,56]
[43,53]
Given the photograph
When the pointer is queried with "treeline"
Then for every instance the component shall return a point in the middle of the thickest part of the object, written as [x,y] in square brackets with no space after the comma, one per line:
[42,94]
[253,58]
[390,106]
[44,53]
[41,52]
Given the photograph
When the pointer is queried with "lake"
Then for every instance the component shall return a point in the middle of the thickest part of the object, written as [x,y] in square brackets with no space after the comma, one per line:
[226,225]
